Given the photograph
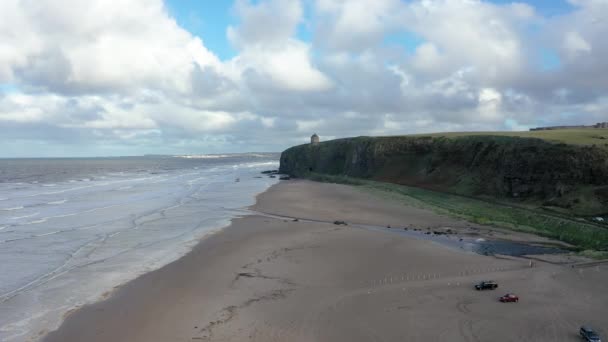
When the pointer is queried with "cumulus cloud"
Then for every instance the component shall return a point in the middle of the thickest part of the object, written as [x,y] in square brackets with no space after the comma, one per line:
[97,46]
[357,24]
[125,74]
[270,57]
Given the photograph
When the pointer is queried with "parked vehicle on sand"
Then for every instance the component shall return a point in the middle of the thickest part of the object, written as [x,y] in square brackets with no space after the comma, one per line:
[509,298]
[486,285]
[589,335]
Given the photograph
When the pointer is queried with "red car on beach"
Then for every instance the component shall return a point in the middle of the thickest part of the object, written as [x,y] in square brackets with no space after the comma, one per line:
[509,298]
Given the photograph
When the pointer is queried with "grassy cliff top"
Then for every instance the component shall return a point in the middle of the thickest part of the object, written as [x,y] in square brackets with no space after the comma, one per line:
[591,136]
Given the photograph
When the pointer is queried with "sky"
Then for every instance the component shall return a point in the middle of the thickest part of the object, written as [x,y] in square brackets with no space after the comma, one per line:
[133,77]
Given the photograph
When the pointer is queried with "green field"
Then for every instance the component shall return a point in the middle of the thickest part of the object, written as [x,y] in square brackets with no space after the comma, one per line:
[588,238]
[588,137]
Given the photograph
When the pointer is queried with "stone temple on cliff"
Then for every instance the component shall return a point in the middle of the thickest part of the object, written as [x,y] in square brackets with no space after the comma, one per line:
[314,140]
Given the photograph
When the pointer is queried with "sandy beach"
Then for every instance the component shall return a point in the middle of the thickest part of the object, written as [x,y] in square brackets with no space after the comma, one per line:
[289,273]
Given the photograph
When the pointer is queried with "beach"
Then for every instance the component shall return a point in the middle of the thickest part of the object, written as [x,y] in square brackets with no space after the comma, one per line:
[323,262]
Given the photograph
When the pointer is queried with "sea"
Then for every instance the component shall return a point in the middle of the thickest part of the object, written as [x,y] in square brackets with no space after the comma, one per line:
[72,230]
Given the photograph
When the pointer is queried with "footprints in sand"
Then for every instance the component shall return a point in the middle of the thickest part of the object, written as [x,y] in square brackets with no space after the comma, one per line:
[463,306]
[465,328]
[465,325]
[230,312]
[279,288]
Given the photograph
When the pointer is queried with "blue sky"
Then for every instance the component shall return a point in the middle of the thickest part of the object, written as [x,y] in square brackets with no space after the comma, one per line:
[545,7]
[209,19]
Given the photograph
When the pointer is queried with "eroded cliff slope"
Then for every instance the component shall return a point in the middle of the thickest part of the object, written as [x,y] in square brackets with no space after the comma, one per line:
[565,177]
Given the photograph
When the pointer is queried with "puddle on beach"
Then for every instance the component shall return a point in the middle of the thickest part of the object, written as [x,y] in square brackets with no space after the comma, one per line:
[473,244]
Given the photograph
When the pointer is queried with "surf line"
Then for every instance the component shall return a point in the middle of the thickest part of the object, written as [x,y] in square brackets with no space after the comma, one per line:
[11,209]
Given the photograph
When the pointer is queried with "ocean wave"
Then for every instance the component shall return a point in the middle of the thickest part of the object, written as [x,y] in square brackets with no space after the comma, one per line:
[49,185]
[37,221]
[11,209]
[3,227]
[251,165]
[22,217]
[216,156]
[60,216]
[204,156]
[57,202]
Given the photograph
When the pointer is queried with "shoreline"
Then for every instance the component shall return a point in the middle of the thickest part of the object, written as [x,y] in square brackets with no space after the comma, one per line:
[130,244]
[271,277]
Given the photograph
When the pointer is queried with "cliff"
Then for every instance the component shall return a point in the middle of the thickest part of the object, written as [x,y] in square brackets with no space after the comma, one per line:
[564,177]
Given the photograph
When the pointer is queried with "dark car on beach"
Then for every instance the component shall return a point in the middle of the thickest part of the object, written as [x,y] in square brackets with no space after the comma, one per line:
[486,285]
[589,335]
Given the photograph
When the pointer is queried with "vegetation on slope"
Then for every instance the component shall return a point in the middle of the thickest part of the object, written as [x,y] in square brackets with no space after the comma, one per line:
[586,236]
[585,137]
[543,186]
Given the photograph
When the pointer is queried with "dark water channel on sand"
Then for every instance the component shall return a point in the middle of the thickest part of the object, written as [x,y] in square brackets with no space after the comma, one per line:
[477,245]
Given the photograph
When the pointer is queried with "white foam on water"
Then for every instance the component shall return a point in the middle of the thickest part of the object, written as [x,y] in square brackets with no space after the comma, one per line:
[204,156]
[25,216]
[57,202]
[35,222]
[12,209]
[102,238]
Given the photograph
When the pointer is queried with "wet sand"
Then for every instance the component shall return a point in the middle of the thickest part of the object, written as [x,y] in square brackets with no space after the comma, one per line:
[272,278]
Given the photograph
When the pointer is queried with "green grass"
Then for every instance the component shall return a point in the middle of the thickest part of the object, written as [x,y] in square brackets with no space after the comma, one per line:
[583,235]
[587,137]
[599,255]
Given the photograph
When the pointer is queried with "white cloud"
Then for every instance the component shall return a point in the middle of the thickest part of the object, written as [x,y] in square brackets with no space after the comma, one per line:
[308,125]
[355,24]
[575,44]
[126,72]
[268,122]
[471,33]
[490,102]
[268,50]
[24,108]
[93,46]
[288,66]
[427,58]
[265,23]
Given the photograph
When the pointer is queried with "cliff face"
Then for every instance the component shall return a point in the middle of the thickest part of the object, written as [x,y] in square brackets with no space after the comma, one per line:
[523,169]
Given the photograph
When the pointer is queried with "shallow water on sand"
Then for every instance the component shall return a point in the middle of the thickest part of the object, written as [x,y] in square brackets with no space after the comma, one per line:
[70,236]
[476,245]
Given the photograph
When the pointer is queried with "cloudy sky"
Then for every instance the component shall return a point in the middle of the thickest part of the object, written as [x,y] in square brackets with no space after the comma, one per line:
[130,77]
